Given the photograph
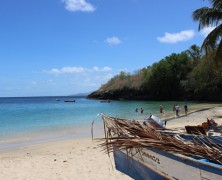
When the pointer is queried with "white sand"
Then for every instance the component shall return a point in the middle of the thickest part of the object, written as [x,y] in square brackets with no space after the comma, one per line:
[76,158]
[67,159]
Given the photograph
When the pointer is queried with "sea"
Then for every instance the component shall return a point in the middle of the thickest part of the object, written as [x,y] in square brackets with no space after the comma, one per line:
[31,120]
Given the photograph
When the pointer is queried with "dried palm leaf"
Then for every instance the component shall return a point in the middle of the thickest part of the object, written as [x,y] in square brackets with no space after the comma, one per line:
[127,134]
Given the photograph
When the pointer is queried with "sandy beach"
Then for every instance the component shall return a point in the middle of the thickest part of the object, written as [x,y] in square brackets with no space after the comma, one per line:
[68,159]
[78,158]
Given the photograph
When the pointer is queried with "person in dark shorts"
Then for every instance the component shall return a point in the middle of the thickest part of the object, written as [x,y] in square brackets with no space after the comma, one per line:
[186,109]
[161,109]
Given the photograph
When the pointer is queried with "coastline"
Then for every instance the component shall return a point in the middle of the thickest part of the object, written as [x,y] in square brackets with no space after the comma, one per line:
[79,157]
[47,136]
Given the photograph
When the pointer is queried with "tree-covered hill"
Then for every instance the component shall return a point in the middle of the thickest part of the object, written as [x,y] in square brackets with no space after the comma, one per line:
[183,76]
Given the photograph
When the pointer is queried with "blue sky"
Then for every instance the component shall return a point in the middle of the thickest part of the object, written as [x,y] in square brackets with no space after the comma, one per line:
[63,47]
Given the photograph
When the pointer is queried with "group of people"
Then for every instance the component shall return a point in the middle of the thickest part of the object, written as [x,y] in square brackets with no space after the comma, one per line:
[141,110]
[176,108]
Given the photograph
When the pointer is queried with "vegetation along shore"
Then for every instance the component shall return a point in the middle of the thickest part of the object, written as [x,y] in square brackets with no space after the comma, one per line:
[184,76]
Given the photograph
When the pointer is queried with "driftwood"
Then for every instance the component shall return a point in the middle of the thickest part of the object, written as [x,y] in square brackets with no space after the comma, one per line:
[127,134]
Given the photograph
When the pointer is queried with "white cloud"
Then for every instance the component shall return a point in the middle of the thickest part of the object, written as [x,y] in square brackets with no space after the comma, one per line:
[74,70]
[102,69]
[65,70]
[77,79]
[113,40]
[204,32]
[176,37]
[78,5]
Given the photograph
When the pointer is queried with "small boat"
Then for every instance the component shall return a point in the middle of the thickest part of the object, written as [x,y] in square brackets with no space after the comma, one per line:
[156,164]
[69,101]
[143,152]
[57,99]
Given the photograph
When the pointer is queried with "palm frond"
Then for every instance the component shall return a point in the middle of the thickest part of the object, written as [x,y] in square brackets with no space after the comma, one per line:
[128,135]
[213,38]
[207,17]
[217,4]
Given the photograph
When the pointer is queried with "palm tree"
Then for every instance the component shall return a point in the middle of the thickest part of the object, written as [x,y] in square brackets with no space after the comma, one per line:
[211,16]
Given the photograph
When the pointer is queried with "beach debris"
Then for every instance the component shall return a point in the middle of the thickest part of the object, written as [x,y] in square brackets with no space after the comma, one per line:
[211,123]
[127,134]
[195,130]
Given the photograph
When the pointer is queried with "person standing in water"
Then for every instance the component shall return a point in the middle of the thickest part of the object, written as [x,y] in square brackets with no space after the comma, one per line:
[141,110]
[185,109]
[177,108]
[161,109]
[174,107]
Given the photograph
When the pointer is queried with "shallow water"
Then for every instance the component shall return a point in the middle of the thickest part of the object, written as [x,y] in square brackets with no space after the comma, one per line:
[28,119]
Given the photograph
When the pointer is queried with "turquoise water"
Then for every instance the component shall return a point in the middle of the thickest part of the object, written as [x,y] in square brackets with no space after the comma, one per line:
[25,120]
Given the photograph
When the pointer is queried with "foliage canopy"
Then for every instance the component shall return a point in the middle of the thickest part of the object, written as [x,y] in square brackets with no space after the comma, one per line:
[183,76]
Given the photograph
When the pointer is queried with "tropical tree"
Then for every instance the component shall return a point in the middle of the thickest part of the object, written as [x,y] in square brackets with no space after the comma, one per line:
[166,77]
[194,53]
[205,82]
[211,16]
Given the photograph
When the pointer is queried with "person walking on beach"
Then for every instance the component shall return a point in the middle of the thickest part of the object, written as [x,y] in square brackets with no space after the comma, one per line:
[177,108]
[186,109]
[161,109]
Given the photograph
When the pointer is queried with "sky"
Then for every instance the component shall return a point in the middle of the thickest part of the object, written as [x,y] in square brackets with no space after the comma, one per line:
[65,47]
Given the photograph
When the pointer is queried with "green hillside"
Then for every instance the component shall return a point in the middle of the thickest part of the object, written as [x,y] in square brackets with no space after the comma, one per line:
[184,76]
